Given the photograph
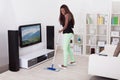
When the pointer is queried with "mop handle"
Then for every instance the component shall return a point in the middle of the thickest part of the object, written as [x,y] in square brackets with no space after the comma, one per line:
[56,45]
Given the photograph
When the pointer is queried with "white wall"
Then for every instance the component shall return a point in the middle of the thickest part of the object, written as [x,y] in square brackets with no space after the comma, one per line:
[116,7]
[38,11]
[48,13]
[45,12]
[80,8]
[7,21]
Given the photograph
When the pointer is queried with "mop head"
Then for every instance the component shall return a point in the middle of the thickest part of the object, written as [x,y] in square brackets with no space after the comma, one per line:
[52,69]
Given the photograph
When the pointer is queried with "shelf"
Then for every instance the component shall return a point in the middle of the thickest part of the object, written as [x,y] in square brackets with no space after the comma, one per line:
[90,45]
[113,25]
[116,36]
[101,25]
[91,35]
[78,44]
[115,29]
[96,31]
[91,24]
[102,35]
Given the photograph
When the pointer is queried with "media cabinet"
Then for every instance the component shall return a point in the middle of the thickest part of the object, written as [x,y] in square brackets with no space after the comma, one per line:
[35,58]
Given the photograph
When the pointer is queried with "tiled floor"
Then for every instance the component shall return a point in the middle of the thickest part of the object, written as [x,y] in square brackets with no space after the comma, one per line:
[75,72]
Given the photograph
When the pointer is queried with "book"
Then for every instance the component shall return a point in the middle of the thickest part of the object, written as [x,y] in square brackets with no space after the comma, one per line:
[89,20]
[115,41]
[115,20]
[100,20]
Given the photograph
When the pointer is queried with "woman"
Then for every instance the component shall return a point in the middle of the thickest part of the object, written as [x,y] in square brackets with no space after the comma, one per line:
[67,21]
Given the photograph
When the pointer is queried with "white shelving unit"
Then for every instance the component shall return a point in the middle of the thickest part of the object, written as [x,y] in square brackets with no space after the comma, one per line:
[96,32]
[115,29]
[78,44]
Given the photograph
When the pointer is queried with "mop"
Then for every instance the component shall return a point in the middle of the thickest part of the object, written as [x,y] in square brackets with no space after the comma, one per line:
[52,68]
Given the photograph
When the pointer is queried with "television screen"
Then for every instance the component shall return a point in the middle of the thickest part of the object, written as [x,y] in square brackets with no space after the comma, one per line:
[30,34]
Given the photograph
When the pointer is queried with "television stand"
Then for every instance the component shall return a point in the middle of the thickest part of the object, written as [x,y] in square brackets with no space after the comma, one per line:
[35,58]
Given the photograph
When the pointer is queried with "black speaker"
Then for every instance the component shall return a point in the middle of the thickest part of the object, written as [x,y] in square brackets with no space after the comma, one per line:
[13,50]
[50,37]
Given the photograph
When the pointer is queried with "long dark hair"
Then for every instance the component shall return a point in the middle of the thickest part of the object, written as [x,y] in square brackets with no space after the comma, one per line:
[62,18]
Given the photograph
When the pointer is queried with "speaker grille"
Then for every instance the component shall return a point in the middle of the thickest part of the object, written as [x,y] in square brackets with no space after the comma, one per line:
[13,50]
[51,54]
[50,37]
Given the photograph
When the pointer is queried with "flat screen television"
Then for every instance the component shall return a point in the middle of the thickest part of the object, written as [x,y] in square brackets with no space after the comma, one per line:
[30,34]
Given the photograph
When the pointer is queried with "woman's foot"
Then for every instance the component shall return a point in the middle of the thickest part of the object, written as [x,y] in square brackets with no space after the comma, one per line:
[72,63]
[62,66]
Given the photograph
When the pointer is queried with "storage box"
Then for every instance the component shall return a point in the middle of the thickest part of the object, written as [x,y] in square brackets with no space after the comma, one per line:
[101,43]
[115,33]
[115,41]
[77,48]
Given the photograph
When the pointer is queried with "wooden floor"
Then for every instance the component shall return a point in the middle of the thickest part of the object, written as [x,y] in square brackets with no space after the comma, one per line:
[74,72]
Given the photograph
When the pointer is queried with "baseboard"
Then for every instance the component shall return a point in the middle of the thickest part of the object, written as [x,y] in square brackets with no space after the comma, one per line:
[3,68]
